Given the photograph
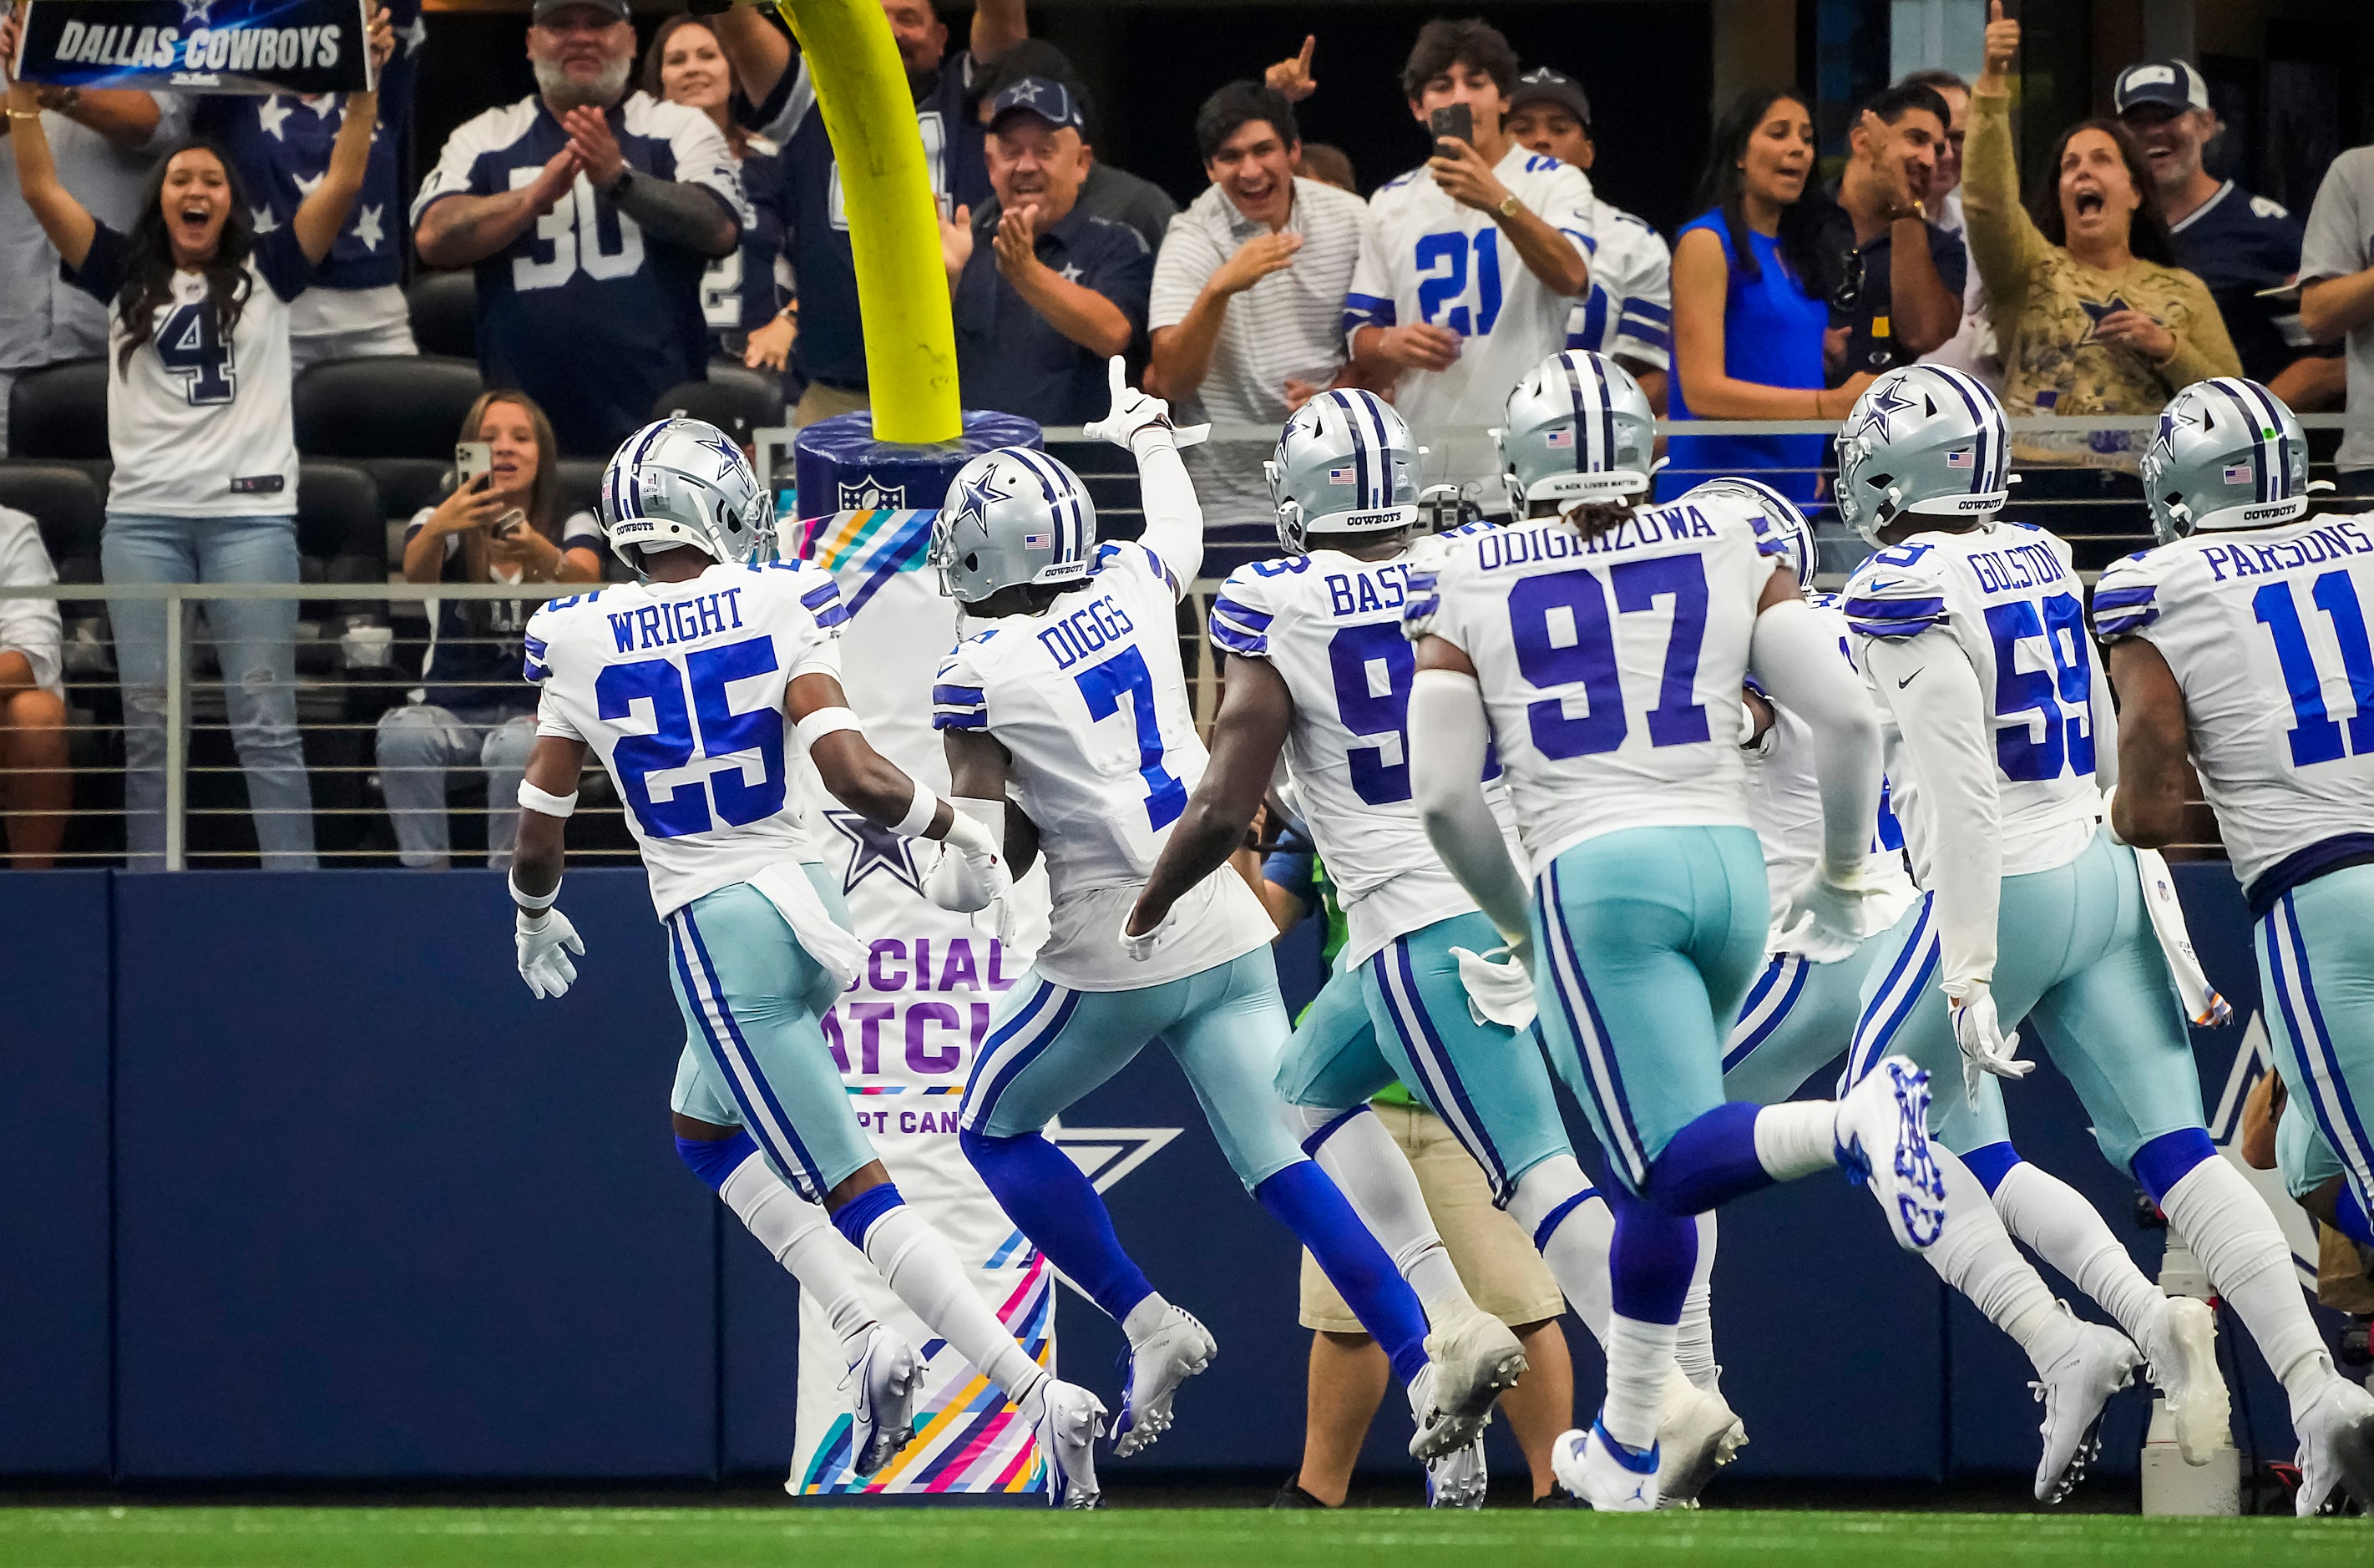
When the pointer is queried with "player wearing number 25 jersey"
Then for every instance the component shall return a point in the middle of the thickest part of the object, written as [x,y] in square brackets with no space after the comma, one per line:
[1602,653]
[2242,640]
[688,686]
[1069,703]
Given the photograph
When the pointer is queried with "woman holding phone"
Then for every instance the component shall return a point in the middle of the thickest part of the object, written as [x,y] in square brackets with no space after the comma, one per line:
[204,487]
[501,523]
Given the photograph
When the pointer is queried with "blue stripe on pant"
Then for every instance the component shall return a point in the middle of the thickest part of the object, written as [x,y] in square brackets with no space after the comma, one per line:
[1489,1084]
[1646,941]
[745,988]
[2078,960]
[2316,970]
[1798,1017]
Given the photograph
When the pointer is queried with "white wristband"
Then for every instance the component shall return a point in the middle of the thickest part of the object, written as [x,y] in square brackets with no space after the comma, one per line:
[919,813]
[547,803]
[823,723]
[539,902]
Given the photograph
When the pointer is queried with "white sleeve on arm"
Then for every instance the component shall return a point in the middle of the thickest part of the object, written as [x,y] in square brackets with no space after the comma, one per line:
[1930,686]
[2106,731]
[1797,657]
[1174,518]
[29,626]
[1448,736]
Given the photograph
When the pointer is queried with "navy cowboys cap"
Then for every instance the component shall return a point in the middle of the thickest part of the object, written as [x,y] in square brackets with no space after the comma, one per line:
[1051,101]
[2168,84]
[616,10]
[1542,85]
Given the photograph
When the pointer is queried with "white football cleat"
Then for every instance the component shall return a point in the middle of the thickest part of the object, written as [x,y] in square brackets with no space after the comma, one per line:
[2336,1444]
[1458,1480]
[887,1380]
[1596,1469]
[2073,1391]
[1472,1359]
[1070,1419]
[2181,1350]
[1696,1434]
[1882,1139]
[1177,1350]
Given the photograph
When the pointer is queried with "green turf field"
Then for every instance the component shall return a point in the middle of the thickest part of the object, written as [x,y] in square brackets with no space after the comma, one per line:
[139,1537]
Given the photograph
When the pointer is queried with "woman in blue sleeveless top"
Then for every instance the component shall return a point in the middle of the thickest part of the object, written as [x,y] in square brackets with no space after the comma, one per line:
[1752,283]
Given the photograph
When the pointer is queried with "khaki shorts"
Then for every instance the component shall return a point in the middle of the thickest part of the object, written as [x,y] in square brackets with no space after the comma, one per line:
[1495,1260]
[821,401]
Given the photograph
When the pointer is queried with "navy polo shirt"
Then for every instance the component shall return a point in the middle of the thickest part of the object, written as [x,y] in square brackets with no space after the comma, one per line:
[2237,243]
[1009,358]
[1866,310]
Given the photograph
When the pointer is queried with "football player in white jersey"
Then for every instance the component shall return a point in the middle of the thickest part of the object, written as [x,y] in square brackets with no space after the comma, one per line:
[1320,673]
[2236,646]
[1801,1012]
[684,685]
[1971,632]
[1069,734]
[1474,261]
[1617,718]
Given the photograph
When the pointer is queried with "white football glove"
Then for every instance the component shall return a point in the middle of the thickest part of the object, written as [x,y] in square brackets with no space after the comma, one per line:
[1499,991]
[1141,948]
[1134,411]
[1986,1046]
[1828,921]
[971,872]
[546,942]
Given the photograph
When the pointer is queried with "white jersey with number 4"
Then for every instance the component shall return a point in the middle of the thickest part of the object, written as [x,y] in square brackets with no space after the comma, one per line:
[2007,594]
[1427,258]
[1089,701]
[2267,632]
[679,688]
[1329,625]
[1611,667]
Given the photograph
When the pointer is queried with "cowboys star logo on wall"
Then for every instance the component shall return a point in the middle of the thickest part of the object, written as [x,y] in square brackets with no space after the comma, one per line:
[867,496]
[874,848]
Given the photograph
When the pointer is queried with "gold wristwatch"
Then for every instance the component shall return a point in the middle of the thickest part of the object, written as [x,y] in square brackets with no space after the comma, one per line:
[1509,206]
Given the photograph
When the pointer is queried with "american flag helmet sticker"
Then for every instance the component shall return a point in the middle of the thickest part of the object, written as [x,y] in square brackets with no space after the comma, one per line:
[1038,541]
[1560,439]
[1959,458]
[2241,473]
[1344,476]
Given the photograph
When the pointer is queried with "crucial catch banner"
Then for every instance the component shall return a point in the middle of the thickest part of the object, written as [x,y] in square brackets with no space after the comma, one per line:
[237,46]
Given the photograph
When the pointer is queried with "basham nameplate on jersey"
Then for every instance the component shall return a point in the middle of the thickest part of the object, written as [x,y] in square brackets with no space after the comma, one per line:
[224,46]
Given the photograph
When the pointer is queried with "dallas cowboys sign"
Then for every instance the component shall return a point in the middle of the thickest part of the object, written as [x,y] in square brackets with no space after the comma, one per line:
[239,46]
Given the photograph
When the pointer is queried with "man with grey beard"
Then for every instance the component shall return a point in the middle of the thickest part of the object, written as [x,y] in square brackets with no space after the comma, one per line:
[589,213]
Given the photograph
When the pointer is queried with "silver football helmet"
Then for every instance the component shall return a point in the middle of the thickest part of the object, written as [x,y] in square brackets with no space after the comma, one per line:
[1344,464]
[2228,454]
[1012,515]
[682,482]
[1922,439]
[1576,428]
[1778,515]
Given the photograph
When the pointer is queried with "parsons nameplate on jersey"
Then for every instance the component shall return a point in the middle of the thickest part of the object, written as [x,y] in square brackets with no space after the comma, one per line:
[238,46]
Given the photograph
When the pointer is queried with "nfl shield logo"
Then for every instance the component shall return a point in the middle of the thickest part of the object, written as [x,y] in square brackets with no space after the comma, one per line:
[866,496]
[1037,542]
[1961,458]
[2239,472]
[1560,441]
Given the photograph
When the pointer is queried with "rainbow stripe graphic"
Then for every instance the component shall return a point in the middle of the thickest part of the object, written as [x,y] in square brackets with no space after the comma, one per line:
[879,545]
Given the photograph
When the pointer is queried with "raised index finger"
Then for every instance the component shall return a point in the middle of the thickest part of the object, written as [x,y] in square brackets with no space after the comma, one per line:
[1310,41]
[1119,375]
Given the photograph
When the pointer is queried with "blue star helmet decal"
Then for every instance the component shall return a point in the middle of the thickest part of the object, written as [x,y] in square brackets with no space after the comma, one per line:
[729,456]
[973,502]
[1878,404]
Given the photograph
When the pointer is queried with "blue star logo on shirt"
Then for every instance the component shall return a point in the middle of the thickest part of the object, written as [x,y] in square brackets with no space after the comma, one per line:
[1886,399]
[729,456]
[873,848]
[2096,309]
[973,500]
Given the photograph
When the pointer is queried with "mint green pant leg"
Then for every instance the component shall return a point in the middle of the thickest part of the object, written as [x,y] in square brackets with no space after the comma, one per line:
[2316,973]
[1227,1040]
[1798,1017]
[1645,943]
[1333,1062]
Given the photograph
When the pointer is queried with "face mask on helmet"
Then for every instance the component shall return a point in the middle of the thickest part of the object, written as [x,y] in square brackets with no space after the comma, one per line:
[1578,428]
[1012,517]
[2227,454]
[683,482]
[1345,464]
[1922,439]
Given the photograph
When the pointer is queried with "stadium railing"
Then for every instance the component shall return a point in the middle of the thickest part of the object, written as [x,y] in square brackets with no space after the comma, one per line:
[360,645]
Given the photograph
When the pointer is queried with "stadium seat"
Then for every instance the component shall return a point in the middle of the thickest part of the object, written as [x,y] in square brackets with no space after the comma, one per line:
[401,405]
[68,506]
[341,530]
[444,311]
[734,400]
[581,484]
[60,411]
